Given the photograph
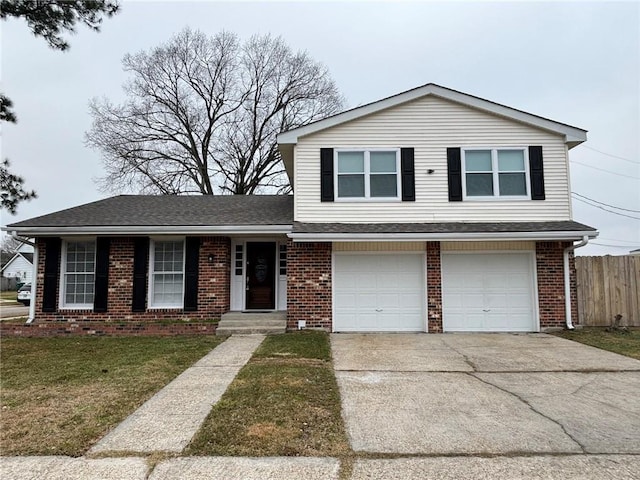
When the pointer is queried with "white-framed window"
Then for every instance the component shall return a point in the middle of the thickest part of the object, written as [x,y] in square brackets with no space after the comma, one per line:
[490,173]
[371,174]
[166,265]
[78,273]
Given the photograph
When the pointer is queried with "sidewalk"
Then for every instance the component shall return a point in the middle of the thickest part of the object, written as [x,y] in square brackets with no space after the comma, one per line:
[168,421]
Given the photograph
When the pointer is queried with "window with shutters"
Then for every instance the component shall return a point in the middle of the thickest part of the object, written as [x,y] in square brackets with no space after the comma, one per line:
[78,274]
[372,174]
[495,173]
[166,274]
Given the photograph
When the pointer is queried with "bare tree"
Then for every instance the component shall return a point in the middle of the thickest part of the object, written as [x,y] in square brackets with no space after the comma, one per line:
[202,114]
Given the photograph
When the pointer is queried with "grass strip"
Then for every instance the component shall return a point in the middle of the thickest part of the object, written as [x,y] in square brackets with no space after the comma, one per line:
[284,402]
[624,342]
[60,395]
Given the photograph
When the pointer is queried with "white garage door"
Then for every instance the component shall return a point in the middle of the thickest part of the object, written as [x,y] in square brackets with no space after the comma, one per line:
[379,293]
[488,292]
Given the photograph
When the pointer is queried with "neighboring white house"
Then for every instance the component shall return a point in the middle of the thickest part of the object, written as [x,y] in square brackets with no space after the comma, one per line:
[19,267]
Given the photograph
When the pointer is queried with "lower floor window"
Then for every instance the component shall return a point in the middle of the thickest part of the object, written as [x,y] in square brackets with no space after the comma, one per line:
[167,275]
[79,273]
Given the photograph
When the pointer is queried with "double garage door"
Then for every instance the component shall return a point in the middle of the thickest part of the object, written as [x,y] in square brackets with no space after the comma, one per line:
[387,292]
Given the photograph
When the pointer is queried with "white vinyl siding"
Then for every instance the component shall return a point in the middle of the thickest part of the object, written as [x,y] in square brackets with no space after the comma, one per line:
[486,246]
[379,246]
[20,268]
[430,125]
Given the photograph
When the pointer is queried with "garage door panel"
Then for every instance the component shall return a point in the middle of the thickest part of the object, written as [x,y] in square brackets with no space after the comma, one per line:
[384,292]
[488,292]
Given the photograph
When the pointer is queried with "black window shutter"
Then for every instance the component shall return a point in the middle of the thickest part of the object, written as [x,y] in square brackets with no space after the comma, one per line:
[51,274]
[140,266]
[326,174]
[408,179]
[191,274]
[536,173]
[454,173]
[102,275]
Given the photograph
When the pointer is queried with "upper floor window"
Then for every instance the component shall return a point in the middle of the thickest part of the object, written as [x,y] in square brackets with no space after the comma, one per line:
[166,274]
[78,273]
[367,174]
[496,172]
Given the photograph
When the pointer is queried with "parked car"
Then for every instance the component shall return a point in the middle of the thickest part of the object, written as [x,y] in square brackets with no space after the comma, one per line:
[24,294]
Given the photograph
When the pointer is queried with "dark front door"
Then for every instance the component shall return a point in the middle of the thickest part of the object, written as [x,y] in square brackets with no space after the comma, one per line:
[261,285]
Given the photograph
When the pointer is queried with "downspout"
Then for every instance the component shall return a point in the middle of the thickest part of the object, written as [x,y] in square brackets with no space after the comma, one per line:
[34,275]
[567,280]
[34,279]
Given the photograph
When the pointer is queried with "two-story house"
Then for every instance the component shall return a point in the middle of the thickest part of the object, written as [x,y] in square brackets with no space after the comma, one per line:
[428,211]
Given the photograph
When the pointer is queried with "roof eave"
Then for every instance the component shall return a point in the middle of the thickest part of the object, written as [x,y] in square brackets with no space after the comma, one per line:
[119,230]
[573,135]
[444,237]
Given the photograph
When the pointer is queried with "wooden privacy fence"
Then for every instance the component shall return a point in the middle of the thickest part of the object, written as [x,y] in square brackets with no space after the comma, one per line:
[608,286]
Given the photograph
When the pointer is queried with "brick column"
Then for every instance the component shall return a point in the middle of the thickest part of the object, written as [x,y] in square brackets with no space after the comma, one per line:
[214,281]
[309,285]
[550,272]
[434,288]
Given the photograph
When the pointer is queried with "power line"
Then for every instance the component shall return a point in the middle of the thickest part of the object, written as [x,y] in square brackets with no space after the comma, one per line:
[609,245]
[612,156]
[605,204]
[607,210]
[632,242]
[603,170]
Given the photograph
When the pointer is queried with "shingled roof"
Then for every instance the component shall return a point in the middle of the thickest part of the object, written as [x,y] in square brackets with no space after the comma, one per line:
[228,214]
[443,227]
[563,230]
[130,212]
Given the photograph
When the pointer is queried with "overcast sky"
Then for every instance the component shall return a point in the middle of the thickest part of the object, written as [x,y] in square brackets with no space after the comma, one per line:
[576,63]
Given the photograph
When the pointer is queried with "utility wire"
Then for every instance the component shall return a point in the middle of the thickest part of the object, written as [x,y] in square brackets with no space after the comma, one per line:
[603,170]
[632,242]
[609,245]
[607,210]
[605,204]
[612,156]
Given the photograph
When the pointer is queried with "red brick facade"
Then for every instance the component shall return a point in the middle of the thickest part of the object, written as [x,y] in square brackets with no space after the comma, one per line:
[550,272]
[213,286]
[434,288]
[309,292]
[88,328]
[309,285]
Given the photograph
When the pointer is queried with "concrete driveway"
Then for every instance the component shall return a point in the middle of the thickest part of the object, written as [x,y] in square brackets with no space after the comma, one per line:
[486,394]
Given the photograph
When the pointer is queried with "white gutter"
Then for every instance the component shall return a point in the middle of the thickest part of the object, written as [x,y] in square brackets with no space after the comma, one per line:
[567,280]
[34,281]
[468,237]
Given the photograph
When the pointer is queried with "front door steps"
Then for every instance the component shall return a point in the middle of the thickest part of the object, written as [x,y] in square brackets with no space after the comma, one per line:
[239,323]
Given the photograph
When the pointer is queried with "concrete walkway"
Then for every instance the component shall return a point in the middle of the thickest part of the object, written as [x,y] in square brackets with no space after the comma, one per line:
[168,421]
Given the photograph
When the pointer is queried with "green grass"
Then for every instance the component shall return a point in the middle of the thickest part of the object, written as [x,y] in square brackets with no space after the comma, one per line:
[60,395]
[10,295]
[285,401]
[622,342]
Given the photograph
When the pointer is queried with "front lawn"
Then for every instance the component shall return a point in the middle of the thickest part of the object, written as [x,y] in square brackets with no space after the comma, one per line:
[285,401]
[60,395]
[622,342]
[9,297]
